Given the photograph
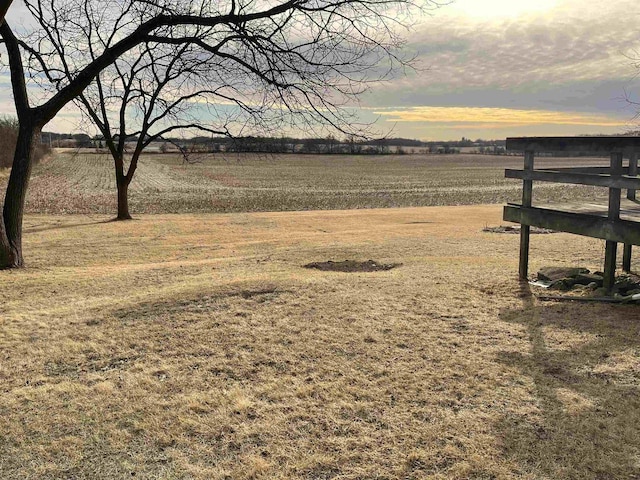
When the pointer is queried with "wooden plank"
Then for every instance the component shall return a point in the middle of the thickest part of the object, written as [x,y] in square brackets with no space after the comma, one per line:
[628,210]
[614,191]
[574,144]
[611,246]
[593,170]
[631,195]
[623,231]
[575,178]
[633,172]
[525,230]
[527,185]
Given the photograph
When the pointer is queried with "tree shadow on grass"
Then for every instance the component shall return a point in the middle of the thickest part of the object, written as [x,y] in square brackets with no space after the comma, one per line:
[39,228]
[583,369]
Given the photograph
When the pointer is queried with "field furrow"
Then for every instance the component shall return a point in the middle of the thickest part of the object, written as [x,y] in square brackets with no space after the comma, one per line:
[85,182]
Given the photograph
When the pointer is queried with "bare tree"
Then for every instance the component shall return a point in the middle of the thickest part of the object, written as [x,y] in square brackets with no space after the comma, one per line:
[153,90]
[301,61]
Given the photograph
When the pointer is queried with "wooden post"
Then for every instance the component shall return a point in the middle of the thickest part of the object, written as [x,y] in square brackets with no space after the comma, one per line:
[614,214]
[633,172]
[631,195]
[626,258]
[525,230]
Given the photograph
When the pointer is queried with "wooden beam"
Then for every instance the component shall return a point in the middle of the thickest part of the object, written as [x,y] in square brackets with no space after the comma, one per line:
[611,246]
[575,178]
[525,230]
[623,231]
[631,195]
[632,172]
[593,170]
[610,252]
[574,144]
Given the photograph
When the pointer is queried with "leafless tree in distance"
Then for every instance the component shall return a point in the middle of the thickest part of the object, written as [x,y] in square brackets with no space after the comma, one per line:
[151,91]
[302,60]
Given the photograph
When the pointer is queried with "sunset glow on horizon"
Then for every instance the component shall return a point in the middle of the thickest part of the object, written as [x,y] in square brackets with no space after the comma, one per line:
[483,117]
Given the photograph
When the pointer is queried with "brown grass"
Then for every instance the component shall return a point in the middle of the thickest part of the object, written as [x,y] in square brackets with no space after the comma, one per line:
[196,346]
[240,183]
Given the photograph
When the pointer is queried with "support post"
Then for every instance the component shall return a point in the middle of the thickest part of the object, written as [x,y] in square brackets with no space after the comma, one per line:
[633,172]
[613,214]
[631,195]
[626,258]
[525,230]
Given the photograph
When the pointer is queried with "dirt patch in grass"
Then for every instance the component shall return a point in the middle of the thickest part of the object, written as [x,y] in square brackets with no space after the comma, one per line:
[351,266]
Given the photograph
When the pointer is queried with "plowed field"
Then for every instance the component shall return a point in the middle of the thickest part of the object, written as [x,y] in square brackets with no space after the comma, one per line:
[84,183]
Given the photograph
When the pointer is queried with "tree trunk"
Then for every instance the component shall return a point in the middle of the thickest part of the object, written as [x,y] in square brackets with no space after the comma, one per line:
[11,233]
[123,198]
[5,247]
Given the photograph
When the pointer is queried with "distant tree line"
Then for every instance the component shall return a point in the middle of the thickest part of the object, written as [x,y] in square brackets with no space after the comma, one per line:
[68,140]
[326,145]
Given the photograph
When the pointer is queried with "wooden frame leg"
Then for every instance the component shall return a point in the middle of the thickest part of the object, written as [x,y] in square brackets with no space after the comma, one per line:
[611,247]
[523,270]
[633,172]
[610,265]
[626,259]
[525,230]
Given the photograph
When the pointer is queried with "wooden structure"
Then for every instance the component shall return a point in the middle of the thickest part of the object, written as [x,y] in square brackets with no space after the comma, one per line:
[605,225]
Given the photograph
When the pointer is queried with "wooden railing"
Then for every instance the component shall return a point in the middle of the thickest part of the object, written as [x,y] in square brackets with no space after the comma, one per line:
[615,177]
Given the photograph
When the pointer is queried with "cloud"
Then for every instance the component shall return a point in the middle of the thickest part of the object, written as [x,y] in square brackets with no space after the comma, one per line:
[469,117]
[572,48]
[553,67]
[499,8]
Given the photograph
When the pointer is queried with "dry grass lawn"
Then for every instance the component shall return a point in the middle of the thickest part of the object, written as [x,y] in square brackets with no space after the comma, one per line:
[195,346]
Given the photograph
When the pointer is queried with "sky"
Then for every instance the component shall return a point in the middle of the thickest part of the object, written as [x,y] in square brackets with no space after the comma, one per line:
[497,68]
